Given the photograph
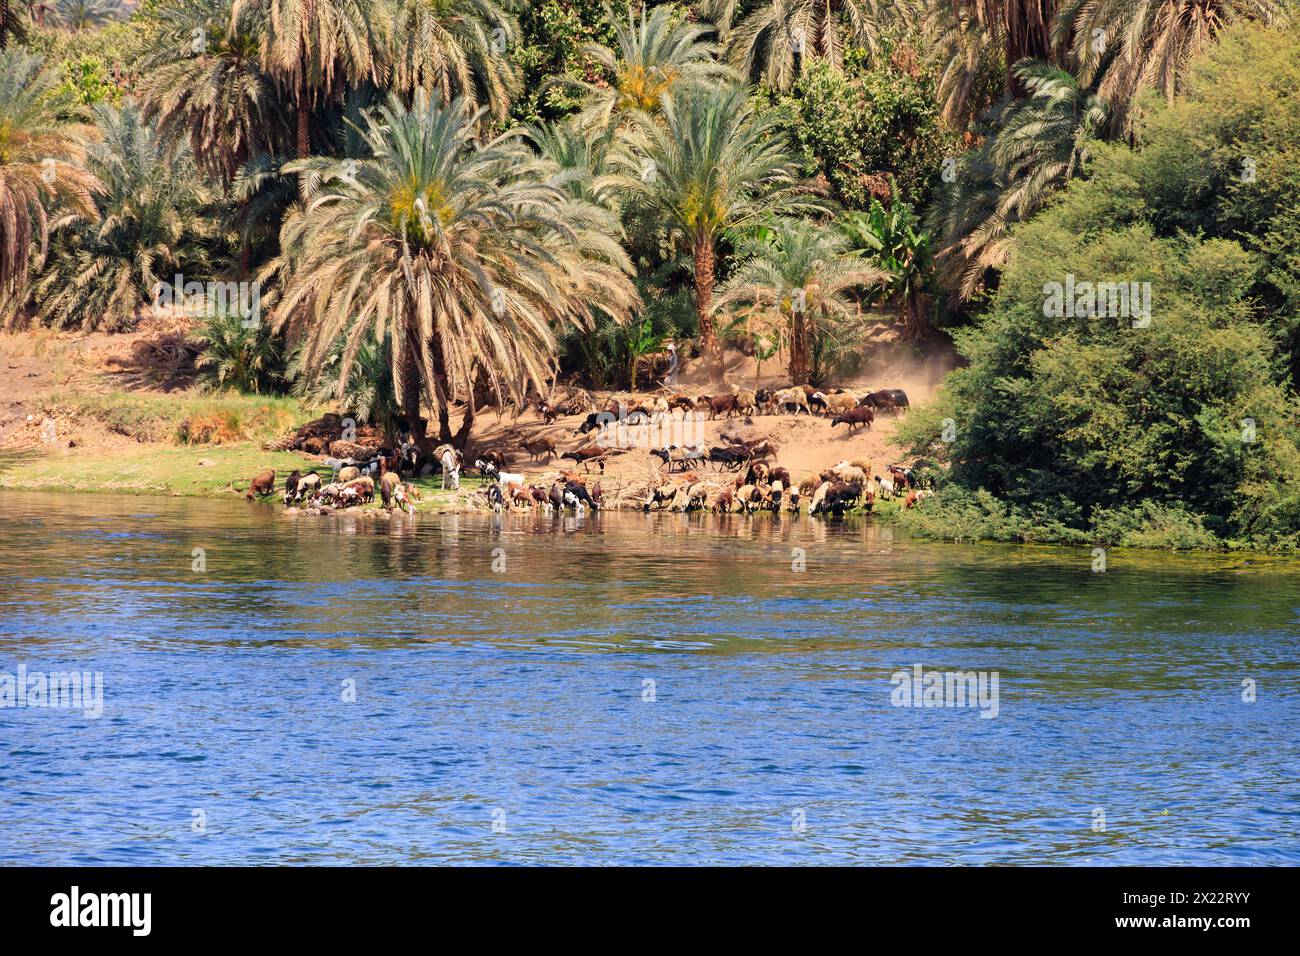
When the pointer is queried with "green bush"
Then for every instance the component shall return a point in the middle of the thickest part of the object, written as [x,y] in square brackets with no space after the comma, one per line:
[1179,432]
[859,126]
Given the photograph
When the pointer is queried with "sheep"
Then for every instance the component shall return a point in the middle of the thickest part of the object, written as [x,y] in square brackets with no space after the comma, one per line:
[791,396]
[746,401]
[263,483]
[755,474]
[840,403]
[347,474]
[748,497]
[364,487]
[808,485]
[847,472]
[774,495]
[837,496]
[819,496]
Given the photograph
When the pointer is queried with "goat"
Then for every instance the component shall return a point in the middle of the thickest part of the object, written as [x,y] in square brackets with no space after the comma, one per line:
[263,483]
[586,454]
[389,484]
[718,404]
[858,415]
[291,485]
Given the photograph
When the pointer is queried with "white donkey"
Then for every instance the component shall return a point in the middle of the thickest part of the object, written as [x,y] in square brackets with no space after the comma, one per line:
[450,466]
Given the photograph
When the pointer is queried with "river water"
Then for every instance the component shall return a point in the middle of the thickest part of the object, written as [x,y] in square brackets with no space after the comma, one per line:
[630,689]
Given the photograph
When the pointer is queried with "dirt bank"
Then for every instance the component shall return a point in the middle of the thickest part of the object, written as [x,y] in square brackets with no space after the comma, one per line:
[102,413]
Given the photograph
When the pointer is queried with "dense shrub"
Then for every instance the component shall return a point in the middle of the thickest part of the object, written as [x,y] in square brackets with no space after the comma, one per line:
[1169,432]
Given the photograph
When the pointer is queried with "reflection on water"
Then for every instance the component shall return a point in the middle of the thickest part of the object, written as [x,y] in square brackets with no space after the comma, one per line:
[631,689]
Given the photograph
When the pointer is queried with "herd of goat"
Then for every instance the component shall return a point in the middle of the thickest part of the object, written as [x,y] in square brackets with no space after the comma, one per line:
[842,406]
[759,485]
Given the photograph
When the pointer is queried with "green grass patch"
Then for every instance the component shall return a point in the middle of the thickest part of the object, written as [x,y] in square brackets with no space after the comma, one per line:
[215,419]
[210,471]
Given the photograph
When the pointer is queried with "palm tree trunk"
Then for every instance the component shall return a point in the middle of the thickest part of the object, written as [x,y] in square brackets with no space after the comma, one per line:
[705,278]
[800,360]
[1028,27]
[4,24]
[304,105]
[461,440]
[304,123]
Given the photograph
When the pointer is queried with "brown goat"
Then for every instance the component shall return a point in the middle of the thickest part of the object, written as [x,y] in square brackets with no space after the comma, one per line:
[263,484]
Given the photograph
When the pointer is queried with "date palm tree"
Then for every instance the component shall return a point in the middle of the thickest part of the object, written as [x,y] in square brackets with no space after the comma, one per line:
[713,166]
[776,38]
[152,226]
[456,48]
[80,15]
[1041,143]
[1126,46]
[651,55]
[42,183]
[466,258]
[313,47]
[806,276]
[973,39]
[205,84]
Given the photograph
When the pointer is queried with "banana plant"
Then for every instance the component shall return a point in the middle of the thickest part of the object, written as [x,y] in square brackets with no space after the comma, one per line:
[892,237]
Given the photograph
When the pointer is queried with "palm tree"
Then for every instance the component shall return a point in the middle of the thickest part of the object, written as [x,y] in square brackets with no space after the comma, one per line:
[313,46]
[84,14]
[205,84]
[42,185]
[650,57]
[238,354]
[714,166]
[584,160]
[1040,143]
[974,39]
[456,48]
[466,257]
[778,37]
[806,275]
[153,226]
[1126,46]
